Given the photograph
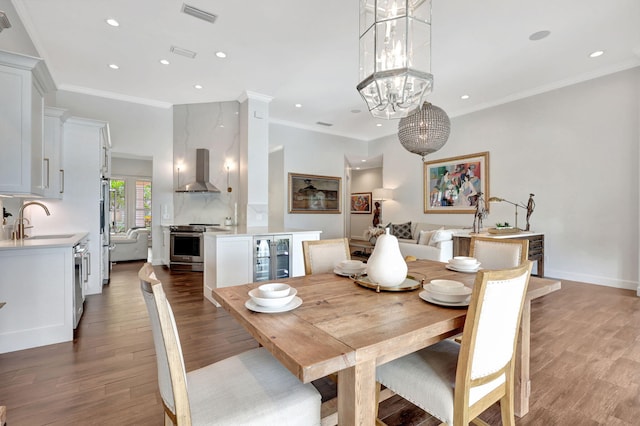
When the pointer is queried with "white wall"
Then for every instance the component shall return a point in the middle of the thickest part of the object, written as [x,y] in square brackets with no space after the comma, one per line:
[364,181]
[138,130]
[313,153]
[576,148]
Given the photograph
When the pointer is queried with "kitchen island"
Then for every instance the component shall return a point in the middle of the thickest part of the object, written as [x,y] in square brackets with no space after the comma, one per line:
[230,254]
[38,288]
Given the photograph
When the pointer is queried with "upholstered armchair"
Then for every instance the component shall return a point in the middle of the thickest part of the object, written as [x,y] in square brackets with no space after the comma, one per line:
[132,246]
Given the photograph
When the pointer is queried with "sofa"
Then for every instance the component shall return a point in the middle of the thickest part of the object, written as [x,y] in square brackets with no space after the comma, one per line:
[421,240]
[134,245]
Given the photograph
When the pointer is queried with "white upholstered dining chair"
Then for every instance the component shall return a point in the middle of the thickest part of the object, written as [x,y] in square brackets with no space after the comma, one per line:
[251,388]
[322,256]
[499,253]
[457,382]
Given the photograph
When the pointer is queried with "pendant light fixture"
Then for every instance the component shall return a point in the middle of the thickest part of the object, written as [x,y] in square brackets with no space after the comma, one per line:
[425,131]
[395,56]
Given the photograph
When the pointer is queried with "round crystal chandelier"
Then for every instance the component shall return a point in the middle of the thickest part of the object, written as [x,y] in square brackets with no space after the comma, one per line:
[425,131]
[395,56]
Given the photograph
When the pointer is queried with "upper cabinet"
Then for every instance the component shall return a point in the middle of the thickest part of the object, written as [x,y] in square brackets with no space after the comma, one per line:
[23,82]
[53,159]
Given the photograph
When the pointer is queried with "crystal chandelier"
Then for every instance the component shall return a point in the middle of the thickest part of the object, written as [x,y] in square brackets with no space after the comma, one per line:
[424,131]
[395,56]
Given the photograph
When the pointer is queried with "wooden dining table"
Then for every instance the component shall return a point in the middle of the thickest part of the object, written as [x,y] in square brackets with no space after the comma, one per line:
[345,328]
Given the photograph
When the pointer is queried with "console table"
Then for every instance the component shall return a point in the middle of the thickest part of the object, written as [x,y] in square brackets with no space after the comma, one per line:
[461,243]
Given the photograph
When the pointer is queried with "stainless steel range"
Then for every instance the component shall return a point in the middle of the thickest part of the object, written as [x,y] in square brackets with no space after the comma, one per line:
[187,246]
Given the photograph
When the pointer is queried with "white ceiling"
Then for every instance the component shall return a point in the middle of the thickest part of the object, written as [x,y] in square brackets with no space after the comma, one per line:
[298,51]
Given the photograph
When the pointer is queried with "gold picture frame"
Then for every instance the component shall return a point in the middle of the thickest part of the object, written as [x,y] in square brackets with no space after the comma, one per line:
[315,194]
[453,185]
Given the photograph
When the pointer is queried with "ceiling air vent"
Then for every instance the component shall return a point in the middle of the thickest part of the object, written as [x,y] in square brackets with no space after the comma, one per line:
[322,123]
[198,13]
[183,52]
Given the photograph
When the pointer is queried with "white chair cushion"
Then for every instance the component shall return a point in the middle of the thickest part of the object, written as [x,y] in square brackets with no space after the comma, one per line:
[497,255]
[251,388]
[430,372]
[325,257]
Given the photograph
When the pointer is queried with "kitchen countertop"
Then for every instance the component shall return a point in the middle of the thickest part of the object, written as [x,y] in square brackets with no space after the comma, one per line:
[49,241]
[258,230]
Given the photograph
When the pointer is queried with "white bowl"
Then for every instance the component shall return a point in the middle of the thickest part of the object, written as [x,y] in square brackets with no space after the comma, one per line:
[273,290]
[464,261]
[454,296]
[350,265]
[272,302]
[446,286]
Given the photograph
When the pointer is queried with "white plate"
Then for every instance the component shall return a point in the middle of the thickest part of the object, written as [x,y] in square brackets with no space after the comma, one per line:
[348,274]
[424,295]
[252,306]
[467,270]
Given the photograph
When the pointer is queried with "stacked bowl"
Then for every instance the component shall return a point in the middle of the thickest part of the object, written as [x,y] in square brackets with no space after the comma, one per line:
[274,295]
[448,291]
[464,264]
[350,267]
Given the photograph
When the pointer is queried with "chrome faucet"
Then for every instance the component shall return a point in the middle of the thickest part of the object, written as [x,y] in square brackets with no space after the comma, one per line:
[18,234]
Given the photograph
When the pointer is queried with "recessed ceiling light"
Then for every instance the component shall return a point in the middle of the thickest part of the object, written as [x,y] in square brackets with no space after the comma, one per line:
[113,66]
[464,97]
[364,161]
[379,125]
[298,105]
[539,35]
[113,22]
[221,54]
[357,168]
[198,86]
[596,53]
[164,62]
[356,111]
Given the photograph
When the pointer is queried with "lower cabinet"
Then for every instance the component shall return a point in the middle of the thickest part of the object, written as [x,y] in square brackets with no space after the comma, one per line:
[37,286]
[229,259]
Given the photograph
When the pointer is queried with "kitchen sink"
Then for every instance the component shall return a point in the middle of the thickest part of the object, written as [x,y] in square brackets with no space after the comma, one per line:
[49,237]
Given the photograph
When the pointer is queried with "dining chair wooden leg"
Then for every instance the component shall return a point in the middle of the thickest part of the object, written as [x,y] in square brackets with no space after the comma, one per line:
[479,422]
[3,415]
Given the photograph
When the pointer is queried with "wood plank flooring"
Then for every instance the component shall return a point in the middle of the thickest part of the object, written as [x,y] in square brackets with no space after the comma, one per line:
[585,359]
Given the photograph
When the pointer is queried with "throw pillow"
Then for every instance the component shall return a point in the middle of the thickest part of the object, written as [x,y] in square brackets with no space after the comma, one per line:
[440,235]
[424,237]
[401,230]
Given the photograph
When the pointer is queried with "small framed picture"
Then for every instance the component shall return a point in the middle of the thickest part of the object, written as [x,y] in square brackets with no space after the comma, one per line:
[314,194]
[454,185]
[361,202]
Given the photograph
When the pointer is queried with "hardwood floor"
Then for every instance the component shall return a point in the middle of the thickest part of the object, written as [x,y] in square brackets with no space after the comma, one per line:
[585,362]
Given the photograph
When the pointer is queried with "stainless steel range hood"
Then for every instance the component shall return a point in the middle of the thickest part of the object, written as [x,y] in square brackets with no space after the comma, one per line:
[201,183]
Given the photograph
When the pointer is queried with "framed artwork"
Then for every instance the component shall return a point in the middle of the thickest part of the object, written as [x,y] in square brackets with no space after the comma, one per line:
[361,202]
[314,194]
[453,185]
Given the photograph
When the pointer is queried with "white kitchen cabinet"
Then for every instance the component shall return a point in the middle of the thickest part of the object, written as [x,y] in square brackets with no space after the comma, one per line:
[37,285]
[297,257]
[228,261]
[105,152]
[53,154]
[23,82]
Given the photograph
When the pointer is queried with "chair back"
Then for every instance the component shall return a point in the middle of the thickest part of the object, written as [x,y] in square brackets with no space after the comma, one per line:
[499,253]
[172,379]
[490,334]
[322,256]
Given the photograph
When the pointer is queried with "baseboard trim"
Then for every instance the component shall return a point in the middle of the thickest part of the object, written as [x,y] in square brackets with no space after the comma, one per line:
[593,279]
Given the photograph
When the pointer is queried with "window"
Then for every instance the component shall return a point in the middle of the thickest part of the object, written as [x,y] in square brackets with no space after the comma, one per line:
[130,203]
[143,203]
[118,205]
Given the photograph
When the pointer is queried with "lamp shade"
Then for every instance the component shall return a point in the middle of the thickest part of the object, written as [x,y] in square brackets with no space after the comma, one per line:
[382,194]
[425,131]
[395,56]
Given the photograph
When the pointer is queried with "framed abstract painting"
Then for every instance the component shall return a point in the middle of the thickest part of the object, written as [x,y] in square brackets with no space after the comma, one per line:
[361,202]
[453,185]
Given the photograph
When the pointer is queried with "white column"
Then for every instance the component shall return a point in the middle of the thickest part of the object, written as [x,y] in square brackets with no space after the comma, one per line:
[254,160]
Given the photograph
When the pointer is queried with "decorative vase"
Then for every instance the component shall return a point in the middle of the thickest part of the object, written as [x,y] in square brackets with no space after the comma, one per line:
[386,266]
